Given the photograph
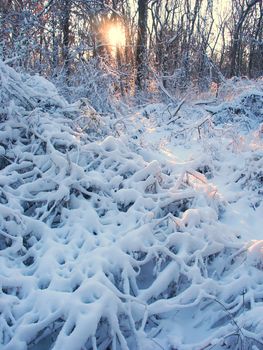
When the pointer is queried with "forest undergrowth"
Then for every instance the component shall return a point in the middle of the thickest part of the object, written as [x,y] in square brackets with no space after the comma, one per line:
[126,232]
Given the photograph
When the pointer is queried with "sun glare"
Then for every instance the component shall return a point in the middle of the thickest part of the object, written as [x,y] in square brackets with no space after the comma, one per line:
[116,35]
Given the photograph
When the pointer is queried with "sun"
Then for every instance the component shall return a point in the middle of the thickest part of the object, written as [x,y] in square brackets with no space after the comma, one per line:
[116,35]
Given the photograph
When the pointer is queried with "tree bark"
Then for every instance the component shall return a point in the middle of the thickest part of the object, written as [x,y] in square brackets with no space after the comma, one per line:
[141,50]
[235,65]
[66,32]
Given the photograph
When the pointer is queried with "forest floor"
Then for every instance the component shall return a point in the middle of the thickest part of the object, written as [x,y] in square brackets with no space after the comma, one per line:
[137,232]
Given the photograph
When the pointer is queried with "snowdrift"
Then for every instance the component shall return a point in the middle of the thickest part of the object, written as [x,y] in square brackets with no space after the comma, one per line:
[101,249]
[246,110]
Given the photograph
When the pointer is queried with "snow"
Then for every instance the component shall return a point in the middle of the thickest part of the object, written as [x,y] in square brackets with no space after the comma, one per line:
[255,254]
[142,237]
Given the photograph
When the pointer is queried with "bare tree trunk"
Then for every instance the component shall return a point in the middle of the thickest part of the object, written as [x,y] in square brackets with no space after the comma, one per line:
[66,32]
[255,63]
[55,51]
[141,51]
[235,62]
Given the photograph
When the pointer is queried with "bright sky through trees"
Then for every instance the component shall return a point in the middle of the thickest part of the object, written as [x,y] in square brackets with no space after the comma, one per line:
[115,35]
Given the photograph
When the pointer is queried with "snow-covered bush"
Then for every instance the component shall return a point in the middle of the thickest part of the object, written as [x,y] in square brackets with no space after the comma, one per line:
[255,254]
[102,248]
[245,109]
[93,80]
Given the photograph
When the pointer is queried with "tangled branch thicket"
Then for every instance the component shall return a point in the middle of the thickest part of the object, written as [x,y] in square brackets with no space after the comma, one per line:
[99,248]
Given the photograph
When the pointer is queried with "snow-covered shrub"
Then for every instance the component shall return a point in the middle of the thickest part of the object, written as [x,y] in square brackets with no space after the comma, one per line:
[27,92]
[92,80]
[229,89]
[245,110]
[250,176]
[102,248]
[255,254]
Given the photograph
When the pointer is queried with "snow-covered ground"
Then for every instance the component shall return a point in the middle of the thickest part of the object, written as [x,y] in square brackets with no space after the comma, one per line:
[143,232]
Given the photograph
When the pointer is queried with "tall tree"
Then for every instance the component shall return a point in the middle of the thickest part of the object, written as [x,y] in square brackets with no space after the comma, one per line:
[65,24]
[243,8]
[141,49]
